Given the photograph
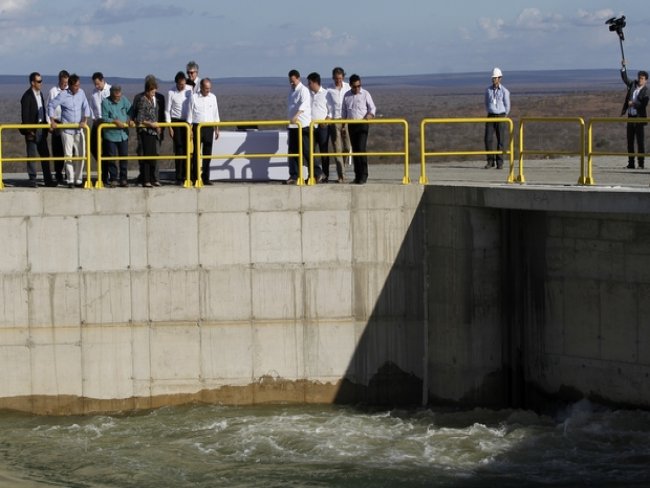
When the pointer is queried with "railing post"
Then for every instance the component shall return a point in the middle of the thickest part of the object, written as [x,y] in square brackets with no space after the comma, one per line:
[188,156]
[99,183]
[511,150]
[423,173]
[520,177]
[2,184]
[311,181]
[407,177]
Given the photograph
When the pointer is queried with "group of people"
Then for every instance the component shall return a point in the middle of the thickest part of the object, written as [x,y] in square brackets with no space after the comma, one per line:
[191,101]
[340,101]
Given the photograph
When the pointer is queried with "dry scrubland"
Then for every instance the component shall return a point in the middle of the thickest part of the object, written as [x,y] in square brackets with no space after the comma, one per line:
[410,103]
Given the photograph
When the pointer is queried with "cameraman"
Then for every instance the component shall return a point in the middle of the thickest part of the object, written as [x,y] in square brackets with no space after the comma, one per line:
[636,101]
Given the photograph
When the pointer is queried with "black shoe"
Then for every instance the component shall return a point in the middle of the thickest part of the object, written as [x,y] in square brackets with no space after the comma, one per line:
[33,183]
[499,165]
[630,166]
[490,164]
[51,184]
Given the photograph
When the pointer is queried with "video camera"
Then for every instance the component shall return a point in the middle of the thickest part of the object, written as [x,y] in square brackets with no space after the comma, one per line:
[616,24]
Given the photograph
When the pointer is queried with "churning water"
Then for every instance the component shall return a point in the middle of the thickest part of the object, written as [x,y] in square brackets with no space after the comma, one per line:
[328,446]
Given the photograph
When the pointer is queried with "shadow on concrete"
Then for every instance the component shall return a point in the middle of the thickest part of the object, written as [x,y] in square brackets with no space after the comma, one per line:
[387,368]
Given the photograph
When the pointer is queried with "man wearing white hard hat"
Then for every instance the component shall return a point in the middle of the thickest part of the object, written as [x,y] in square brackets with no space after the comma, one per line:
[497,104]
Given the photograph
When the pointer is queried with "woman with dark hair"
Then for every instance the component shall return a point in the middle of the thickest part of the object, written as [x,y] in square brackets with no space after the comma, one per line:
[148,132]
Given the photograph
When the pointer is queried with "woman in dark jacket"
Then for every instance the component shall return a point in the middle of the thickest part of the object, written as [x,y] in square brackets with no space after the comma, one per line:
[148,132]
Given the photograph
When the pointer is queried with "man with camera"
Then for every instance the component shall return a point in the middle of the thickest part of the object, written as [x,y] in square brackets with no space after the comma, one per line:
[636,102]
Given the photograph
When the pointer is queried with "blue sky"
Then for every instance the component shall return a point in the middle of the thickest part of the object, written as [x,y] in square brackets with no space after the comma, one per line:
[269,37]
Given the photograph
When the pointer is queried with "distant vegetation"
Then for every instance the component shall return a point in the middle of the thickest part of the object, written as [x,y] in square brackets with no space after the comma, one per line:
[413,99]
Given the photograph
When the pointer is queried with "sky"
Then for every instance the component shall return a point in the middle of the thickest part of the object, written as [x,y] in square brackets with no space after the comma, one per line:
[251,38]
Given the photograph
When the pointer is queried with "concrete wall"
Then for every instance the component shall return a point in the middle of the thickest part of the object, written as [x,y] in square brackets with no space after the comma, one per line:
[239,294]
[538,295]
[234,294]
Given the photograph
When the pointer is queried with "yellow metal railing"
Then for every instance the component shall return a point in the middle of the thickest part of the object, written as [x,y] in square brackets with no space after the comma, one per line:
[580,152]
[465,120]
[100,156]
[405,153]
[589,179]
[468,120]
[250,123]
[85,157]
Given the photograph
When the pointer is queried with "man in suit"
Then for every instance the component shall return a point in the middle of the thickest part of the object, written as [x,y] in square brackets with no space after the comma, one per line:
[34,111]
[636,101]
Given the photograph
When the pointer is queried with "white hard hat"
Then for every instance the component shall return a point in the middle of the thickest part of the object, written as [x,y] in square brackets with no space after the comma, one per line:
[496,73]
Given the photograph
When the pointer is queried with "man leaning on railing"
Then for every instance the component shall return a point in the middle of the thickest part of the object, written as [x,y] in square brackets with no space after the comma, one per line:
[74,110]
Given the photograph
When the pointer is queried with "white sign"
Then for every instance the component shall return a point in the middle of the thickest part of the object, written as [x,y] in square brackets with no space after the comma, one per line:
[251,142]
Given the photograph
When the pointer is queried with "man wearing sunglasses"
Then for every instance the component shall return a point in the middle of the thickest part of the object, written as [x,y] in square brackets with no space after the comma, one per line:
[34,111]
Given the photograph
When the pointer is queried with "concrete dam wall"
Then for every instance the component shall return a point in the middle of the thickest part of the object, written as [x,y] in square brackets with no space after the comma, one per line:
[381,294]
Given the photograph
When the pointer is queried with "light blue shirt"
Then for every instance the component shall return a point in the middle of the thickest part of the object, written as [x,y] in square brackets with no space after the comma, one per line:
[497,100]
[73,108]
[357,105]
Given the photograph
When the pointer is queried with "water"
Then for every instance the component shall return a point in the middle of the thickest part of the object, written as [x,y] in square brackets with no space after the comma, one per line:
[328,446]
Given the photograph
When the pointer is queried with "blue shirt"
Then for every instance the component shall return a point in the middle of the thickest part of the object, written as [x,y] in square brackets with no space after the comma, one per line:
[497,100]
[74,108]
[116,111]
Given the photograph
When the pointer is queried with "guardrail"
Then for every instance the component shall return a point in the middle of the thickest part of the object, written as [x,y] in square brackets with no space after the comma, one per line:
[586,147]
[405,153]
[100,156]
[25,159]
[465,120]
[589,179]
[580,152]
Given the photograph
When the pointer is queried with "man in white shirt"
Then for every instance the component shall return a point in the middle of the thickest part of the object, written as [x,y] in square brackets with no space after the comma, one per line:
[102,90]
[319,112]
[338,136]
[298,112]
[203,108]
[57,141]
[177,110]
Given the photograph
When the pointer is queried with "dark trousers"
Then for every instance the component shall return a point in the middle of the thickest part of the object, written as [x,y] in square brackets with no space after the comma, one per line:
[36,145]
[206,139]
[321,136]
[358,140]
[57,152]
[294,149]
[109,169]
[498,131]
[149,146]
[180,149]
[635,131]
